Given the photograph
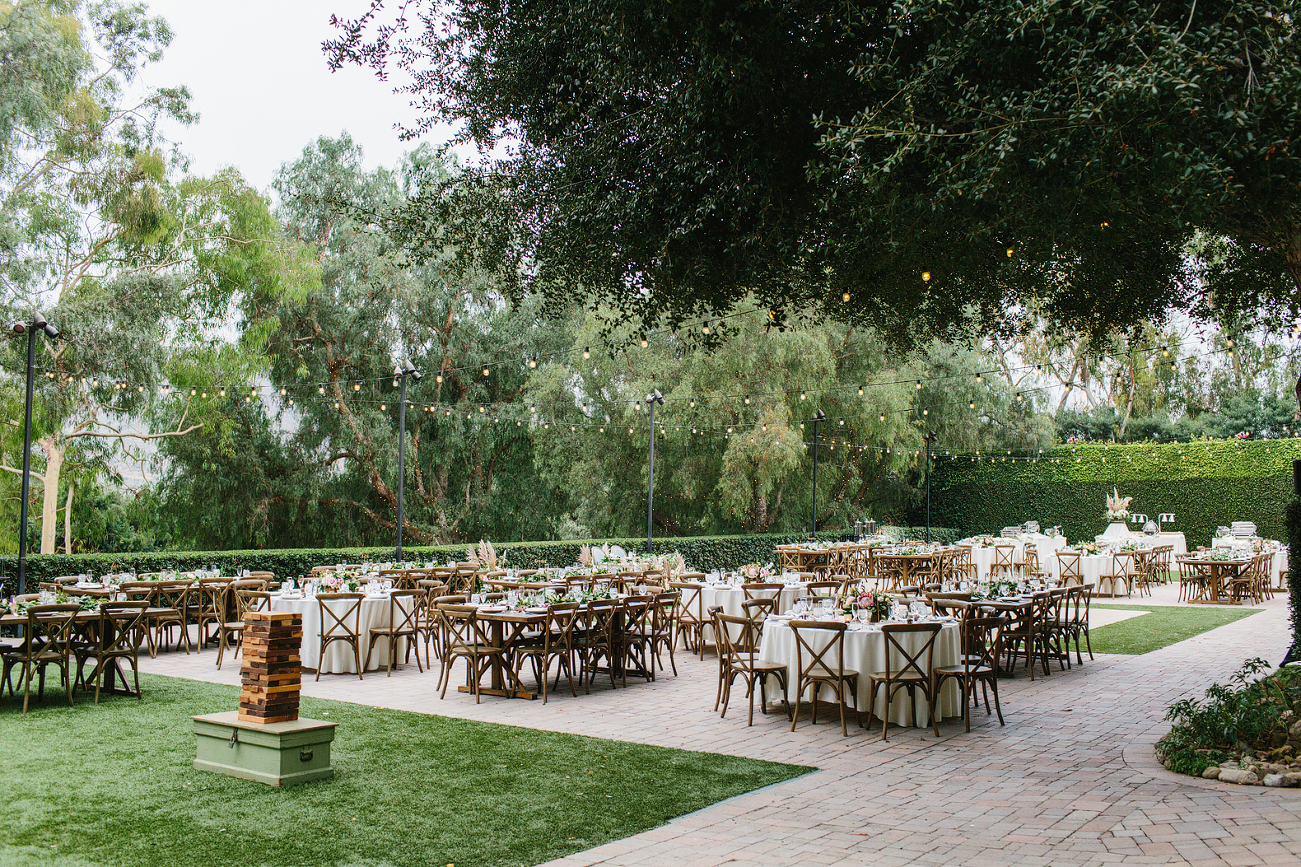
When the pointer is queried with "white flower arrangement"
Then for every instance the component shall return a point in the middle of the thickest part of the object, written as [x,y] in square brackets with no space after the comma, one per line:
[1117,506]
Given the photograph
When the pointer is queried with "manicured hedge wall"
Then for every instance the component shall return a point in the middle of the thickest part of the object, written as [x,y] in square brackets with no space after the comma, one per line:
[703,553]
[1205,485]
[1294,576]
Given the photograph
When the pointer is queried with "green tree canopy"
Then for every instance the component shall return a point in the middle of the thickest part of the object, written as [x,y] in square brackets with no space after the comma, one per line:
[914,166]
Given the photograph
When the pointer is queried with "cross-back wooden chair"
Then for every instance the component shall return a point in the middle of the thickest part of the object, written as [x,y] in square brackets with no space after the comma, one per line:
[404,611]
[739,649]
[1004,562]
[467,638]
[824,666]
[665,624]
[691,615]
[1069,571]
[981,644]
[912,671]
[634,639]
[48,636]
[554,644]
[1122,569]
[340,623]
[116,641]
[240,597]
[596,645]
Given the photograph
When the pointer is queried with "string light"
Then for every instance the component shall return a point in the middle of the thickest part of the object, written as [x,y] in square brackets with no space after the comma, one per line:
[926,276]
[587,352]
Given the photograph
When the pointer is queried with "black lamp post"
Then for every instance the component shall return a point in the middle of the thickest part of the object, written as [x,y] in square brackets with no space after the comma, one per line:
[817,417]
[651,399]
[930,439]
[402,372]
[38,323]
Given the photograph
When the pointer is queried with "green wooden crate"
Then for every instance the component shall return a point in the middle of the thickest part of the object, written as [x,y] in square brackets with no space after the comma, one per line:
[278,754]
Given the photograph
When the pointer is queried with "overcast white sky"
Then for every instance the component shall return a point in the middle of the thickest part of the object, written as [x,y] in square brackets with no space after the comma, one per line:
[262,89]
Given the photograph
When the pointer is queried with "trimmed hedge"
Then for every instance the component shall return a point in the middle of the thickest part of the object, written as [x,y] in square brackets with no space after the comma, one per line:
[1294,576]
[1205,485]
[702,553]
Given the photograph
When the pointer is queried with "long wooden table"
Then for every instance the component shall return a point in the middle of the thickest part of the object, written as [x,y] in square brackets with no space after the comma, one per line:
[1216,572]
[89,618]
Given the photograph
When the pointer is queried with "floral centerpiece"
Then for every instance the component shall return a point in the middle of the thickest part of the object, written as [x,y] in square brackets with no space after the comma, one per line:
[1088,547]
[340,582]
[756,574]
[53,597]
[869,600]
[1117,506]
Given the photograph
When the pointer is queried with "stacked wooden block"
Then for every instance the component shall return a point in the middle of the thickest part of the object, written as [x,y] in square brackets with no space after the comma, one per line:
[272,669]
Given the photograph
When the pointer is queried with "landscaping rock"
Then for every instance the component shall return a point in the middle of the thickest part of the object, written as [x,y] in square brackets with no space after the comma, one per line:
[1294,776]
[1242,778]
[1278,781]
[1211,773]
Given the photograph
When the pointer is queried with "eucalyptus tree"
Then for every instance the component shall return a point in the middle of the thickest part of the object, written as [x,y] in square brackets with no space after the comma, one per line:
[135,261]
[333,348]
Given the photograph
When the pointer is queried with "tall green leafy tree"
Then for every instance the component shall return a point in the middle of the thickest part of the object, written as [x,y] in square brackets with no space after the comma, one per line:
[904,165]
[333,349]
[133,260]
[734,437]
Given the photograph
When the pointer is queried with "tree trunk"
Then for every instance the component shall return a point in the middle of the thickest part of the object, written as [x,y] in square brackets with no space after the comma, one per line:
[67,523]
[50,493]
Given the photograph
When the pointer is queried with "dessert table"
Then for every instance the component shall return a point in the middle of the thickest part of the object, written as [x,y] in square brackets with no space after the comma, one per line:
[339,659]
[865,653]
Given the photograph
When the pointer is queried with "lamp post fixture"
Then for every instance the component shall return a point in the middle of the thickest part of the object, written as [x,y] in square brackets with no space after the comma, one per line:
[651,399]
[817,417]
[930,440]
[402,372]
[38,323]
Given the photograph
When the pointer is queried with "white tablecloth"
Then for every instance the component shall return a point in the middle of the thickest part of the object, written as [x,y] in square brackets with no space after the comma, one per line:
[730,598]
[374,612]
[1092,566]
[1045,547]
[865,653]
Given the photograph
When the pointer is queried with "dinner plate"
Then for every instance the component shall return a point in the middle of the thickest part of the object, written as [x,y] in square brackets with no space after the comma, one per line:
[492,609]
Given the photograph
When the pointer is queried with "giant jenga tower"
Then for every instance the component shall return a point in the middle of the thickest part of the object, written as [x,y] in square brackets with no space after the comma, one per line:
[272,669]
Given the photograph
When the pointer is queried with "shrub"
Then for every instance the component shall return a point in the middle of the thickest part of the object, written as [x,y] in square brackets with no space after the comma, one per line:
[1248,716]
[703,553]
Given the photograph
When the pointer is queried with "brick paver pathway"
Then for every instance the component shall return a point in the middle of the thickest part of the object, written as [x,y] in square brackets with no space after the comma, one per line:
[1070,780]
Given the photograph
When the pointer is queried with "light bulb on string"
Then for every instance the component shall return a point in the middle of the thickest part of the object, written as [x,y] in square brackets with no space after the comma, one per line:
[926,276]
[587,352]
[485,370]
[844,296]
[747,400]
[356,386]
[644,342]
[438,378]
[705,328]
[533,362]
[860,391]
[802,395]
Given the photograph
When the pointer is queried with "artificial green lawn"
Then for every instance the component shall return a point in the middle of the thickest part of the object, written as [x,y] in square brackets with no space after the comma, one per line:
[114,785]
[1162,626]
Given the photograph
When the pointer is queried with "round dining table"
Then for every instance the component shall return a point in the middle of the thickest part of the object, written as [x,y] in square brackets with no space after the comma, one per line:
[865,653]
[339,658]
